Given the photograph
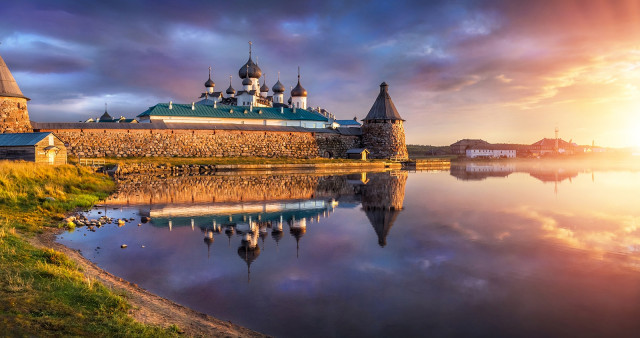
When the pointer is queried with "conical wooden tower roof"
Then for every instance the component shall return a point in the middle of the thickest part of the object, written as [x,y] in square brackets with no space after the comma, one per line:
[383,108]
[8,85]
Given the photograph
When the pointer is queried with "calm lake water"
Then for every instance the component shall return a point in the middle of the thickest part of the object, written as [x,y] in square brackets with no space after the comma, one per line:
[477,250]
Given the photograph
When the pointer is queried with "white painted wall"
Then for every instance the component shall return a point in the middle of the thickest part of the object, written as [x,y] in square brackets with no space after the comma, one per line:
[493,153]
[240,120]
[246,99]
[299,102]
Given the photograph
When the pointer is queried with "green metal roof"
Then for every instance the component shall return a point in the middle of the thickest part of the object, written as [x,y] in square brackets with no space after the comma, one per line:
[22,139]
[236,112]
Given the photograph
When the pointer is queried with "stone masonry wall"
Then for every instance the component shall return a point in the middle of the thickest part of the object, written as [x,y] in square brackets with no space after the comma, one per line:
[385,140]
[93,143]
[336,146]
[14,117]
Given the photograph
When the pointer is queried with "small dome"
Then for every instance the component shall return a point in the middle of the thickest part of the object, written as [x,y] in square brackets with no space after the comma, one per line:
[251,69]
[247,81]
[264,88]
[209,83]
[230,90]
[278,87]
[298,90]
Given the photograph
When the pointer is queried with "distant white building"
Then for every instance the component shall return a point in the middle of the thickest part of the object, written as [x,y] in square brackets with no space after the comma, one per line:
[491,151]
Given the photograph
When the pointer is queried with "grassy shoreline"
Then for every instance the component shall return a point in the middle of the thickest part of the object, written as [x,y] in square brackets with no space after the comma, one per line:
[43,292]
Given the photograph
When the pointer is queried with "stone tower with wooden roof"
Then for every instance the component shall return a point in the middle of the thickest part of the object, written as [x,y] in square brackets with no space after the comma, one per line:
[14,117]
[383,128]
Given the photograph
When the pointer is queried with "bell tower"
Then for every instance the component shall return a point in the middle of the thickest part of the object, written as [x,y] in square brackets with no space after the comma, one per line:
[14,117]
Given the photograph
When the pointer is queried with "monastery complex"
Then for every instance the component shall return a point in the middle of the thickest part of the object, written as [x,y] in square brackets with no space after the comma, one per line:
[253,121]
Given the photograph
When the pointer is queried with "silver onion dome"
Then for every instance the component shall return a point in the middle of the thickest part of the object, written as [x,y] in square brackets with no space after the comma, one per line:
[278,87]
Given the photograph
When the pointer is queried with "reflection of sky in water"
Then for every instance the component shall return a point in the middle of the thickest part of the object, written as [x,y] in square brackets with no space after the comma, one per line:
[505,255]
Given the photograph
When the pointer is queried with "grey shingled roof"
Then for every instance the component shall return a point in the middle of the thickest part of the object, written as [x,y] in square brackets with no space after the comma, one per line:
[95,125]
[342,131]
[8,85]
[383,108]
[357,150]
[22,139]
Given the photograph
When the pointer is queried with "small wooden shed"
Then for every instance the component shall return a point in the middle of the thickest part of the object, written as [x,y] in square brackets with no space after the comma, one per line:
[358,154]
[42,147]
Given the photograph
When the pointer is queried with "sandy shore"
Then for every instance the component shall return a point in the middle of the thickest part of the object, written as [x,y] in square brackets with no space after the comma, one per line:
[147,308]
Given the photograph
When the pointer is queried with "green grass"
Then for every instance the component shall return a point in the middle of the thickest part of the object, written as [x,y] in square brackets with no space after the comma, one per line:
[42,292]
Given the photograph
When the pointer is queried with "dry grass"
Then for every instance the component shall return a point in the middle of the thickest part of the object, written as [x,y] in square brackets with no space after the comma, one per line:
[32,195]
[42,292]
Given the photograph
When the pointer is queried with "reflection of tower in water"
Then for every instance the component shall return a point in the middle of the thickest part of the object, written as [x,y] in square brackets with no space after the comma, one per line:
[277,233]
[229,231]
[249,250]
[248,255]
[297,229]
[208,239]
[382,199]
[208,235]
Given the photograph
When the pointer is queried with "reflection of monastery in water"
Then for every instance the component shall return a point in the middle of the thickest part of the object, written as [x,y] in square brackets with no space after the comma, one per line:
[481,171]
[257,209]
[478,172]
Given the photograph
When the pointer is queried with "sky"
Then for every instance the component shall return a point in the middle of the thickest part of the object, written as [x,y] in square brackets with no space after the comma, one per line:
[503,71]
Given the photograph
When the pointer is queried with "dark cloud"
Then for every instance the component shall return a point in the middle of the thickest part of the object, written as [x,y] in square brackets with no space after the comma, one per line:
[446,54]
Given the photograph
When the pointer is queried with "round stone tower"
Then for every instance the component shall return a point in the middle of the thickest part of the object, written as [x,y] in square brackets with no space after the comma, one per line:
[14,117]
[383,129]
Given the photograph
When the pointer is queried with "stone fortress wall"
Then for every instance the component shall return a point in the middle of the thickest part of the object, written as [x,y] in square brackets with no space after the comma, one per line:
[14,117]
[385,139]
[94,143]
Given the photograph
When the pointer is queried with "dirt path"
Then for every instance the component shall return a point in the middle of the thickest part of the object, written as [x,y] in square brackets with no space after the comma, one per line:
[146,307]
